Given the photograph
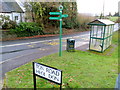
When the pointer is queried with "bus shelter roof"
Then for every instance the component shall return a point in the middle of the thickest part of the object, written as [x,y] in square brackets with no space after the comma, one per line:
[103,22]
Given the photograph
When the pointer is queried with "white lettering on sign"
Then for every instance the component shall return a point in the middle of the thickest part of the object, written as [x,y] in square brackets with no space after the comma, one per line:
[48,72]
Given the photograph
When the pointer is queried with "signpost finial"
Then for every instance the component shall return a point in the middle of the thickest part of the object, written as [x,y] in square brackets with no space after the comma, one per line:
[60,7]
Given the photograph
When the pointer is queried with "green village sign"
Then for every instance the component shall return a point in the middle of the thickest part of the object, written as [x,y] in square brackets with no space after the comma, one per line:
[59,18]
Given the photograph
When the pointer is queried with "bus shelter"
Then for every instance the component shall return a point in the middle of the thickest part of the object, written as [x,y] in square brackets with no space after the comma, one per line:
[100,34]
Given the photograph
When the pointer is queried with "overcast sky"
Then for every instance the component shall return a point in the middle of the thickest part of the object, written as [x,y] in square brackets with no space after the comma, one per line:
[96,6]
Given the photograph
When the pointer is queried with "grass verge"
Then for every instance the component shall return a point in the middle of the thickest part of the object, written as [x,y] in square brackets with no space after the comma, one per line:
[80,70]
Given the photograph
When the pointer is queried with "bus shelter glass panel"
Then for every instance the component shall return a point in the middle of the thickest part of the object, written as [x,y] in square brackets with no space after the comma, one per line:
[96,44]
[97,33]
[108,36]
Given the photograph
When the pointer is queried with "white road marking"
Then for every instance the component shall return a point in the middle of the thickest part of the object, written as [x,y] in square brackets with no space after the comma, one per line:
[24,43]
[40,41]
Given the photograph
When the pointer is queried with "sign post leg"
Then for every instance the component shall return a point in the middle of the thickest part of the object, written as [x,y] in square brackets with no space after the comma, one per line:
[60,87]
[34,77]
[60,46]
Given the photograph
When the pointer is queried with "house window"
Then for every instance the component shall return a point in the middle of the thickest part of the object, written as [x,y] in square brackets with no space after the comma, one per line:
[16,17]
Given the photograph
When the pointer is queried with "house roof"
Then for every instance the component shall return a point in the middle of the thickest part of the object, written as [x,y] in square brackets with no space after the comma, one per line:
[101,22]
[7,7]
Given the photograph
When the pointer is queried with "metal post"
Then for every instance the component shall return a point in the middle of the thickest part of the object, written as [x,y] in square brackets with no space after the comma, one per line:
[34,77]
[103,39]
[61,81]
[96,37]
[60,46]
[107,41]
[112,32]
[60,87]
[92,34]
[90,37]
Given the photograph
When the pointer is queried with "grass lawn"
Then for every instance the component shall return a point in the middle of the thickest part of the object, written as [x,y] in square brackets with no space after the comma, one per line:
[80,70]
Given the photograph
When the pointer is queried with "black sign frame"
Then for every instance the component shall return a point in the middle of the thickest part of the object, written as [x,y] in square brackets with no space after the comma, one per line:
[34,75]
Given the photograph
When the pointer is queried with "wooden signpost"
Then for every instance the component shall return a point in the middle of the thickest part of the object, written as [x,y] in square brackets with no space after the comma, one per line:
[49,73]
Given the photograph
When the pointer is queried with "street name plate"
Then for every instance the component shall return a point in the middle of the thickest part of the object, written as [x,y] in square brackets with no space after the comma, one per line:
[49,73]
[55,13]
[64,15]
[54,18]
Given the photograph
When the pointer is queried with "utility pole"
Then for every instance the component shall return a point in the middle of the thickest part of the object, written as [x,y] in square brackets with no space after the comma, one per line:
[103,7]
[119,8]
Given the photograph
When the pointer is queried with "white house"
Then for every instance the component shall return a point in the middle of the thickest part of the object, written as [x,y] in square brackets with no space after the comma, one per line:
[13,10]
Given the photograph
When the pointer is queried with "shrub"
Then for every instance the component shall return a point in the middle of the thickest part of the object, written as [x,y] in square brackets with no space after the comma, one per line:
[6,23]
[13,24]
[70,23]
[9,25]
[27,29]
